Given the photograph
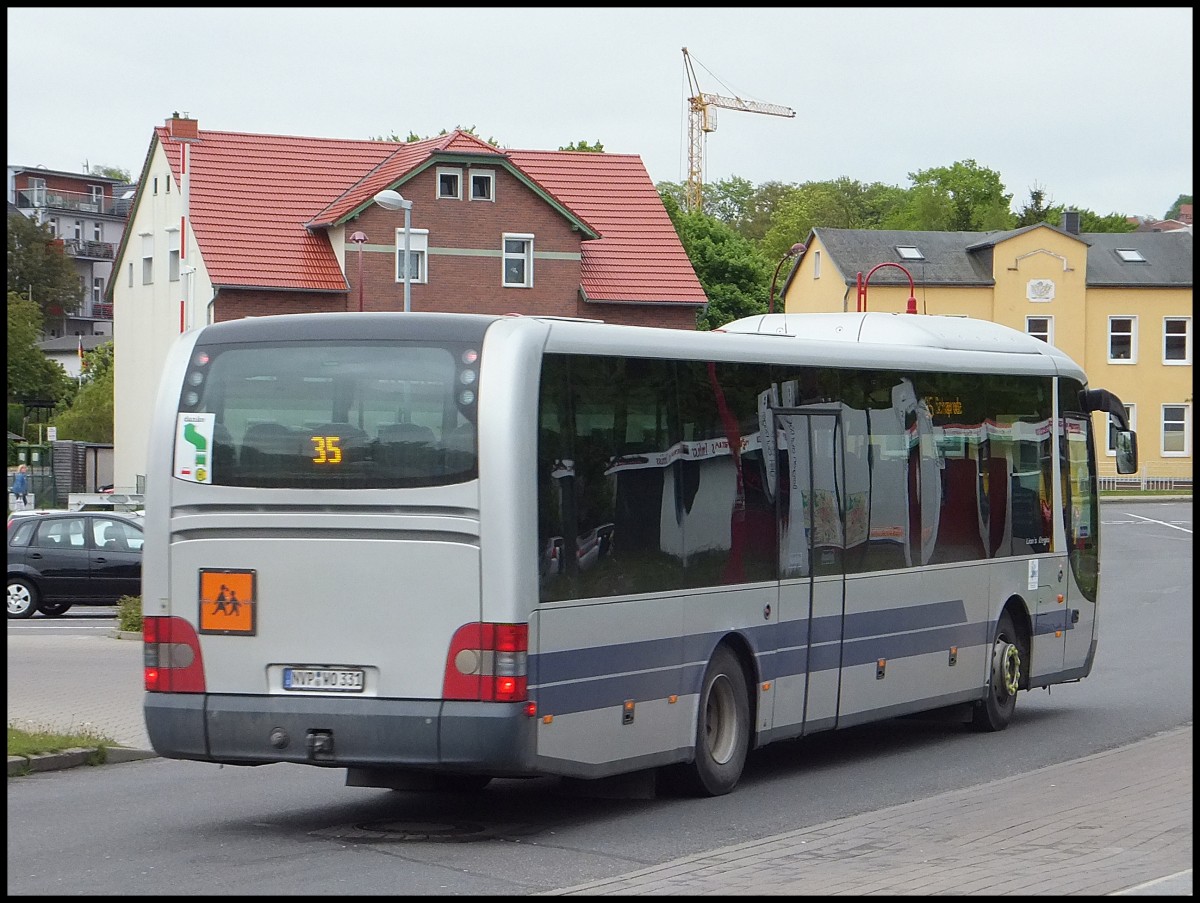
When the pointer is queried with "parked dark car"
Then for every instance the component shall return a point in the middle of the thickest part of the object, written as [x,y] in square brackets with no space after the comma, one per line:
[57,559]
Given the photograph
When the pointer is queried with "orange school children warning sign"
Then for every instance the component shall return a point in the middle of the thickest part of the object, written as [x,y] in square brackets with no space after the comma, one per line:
[227,602]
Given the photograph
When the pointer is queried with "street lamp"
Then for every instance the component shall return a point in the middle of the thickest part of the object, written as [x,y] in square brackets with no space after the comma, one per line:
[862,286]
[360,239]
[393,200]
[794,251]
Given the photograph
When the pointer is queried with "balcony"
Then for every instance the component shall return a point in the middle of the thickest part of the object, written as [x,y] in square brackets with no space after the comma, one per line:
[70,202]
[97,250]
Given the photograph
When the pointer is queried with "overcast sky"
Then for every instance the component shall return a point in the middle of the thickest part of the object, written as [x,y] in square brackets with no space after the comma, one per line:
[1092,106]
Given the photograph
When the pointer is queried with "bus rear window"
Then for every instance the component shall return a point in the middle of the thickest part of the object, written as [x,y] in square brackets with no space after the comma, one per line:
[328,416]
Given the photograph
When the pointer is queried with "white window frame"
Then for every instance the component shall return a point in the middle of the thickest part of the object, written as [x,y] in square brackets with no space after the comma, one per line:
[816,264]
[490,176]
[1133,339]
[97,289]
[96,193]
[37,191]
[1048,336]
[52,225]
[147,259]
[525,256]
[79,230]
[97,231]
[457,173]
[1185,423]
[1186,360]
[1110,435]
[909,252]
[418,255]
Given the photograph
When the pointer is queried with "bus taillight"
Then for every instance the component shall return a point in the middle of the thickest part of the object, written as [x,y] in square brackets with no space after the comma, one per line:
[171,656]
[486,663]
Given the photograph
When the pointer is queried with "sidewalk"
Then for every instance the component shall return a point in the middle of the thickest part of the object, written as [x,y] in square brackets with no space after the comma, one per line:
[1117,822]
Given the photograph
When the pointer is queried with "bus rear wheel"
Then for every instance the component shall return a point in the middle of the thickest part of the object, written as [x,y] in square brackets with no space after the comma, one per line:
[722,730]
[996,709]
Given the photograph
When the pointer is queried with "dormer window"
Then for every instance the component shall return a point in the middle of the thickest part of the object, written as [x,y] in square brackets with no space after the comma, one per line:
[449,183]
[483,184]
[908,252]
[1130,255]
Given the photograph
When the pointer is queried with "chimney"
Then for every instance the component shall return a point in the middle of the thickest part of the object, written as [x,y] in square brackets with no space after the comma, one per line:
[1070,221]
[183,129]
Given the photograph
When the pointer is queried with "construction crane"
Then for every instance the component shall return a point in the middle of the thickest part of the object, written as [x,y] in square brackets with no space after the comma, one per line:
[702,119]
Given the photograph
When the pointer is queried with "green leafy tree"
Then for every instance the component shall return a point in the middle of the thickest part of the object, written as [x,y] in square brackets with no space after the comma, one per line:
[731,269]
[31,375]
[89,415]
[111,172]
[976,194]
[413,136]
[596,148]
[39,270]
[1173,213]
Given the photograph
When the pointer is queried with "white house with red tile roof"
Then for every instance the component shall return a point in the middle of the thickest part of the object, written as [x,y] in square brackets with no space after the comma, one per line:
[228,225]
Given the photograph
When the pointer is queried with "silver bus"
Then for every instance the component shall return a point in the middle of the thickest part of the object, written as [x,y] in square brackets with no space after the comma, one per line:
[435,549]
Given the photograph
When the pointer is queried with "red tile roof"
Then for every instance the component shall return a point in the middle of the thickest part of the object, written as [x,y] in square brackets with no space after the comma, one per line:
[258,203]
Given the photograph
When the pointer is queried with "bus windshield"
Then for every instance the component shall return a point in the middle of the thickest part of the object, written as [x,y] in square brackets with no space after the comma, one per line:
[339,415]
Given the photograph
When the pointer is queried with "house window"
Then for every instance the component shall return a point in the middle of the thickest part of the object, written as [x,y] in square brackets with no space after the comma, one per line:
[37,192]
[131,274]
[418,251]
[1110,443]
[147,259]
[96,193]
[156,185]
[449,183]
[97,232]
[98,290]
[1177,340]
[173,265]
[518,261]
[1130,255]
[52,225]
[1122,340]
[1176,430]
[79,230]
[483,184]
[816,264]
[908,252]
[1041,328]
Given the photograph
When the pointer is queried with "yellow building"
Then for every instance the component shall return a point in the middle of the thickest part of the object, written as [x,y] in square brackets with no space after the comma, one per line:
[1120,304]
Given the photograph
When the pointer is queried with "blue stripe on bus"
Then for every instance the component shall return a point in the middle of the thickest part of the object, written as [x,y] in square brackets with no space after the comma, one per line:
[578,680]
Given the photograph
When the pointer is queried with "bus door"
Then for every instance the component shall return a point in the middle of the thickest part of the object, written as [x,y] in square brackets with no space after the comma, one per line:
[811,519]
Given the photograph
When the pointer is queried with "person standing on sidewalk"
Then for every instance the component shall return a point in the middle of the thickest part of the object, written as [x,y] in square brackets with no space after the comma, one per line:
[20,486]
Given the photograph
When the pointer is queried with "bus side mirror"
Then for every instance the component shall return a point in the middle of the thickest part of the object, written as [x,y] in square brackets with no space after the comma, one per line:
[1126,449]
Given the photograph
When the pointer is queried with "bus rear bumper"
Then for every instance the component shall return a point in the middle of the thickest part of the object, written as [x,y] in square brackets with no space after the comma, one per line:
[340,732]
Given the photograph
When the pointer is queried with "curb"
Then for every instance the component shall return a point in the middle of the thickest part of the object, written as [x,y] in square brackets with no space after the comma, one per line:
[72,758]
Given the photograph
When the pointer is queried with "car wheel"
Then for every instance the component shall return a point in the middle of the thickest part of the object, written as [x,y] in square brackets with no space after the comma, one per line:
[995,711]
[22,598]
[54,609]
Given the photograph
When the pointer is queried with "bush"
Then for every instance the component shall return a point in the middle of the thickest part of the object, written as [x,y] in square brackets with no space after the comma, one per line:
[129,613]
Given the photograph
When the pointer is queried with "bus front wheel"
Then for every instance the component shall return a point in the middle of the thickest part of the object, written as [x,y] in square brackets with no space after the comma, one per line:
[722,730]
[996,709]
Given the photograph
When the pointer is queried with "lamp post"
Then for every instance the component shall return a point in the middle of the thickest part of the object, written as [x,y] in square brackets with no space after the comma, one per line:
[862,286]
[393,200]
[794,251]
[360,239]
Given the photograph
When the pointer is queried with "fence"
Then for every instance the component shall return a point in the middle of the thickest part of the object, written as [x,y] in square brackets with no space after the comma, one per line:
[1140,482]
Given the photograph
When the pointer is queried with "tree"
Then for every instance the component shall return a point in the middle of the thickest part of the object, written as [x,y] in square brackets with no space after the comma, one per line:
[111,172]
[596,148]
[978,201]
[413,136]
[732,271]
[31,375]
[1173,213]
[39,270]
[89,416]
